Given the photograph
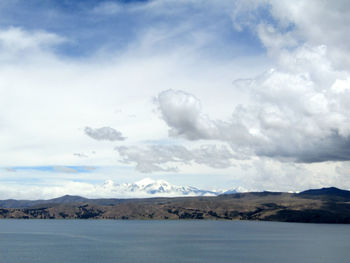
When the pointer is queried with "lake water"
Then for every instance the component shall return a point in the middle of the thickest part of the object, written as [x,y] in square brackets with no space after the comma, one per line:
[88,241]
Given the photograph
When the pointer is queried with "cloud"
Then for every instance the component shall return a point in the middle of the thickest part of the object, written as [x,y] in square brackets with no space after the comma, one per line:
[107,8]
[296,111]
[298,107]
[57,189]
[65,169]
[52,169]
[215,156]
[324,24]
[51,81]
[16,43]
[272,175]
[292,115]
[104,134]
[153,158]
[15,38]
[80,155]
[183,114]
[187,53]
[343,169]
[161,158]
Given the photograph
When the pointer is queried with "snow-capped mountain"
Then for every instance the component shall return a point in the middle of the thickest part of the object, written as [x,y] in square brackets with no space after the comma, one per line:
[228,192]
[239,189]
[154,188]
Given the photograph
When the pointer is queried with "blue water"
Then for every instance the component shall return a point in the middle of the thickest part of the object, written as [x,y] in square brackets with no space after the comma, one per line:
[88,241]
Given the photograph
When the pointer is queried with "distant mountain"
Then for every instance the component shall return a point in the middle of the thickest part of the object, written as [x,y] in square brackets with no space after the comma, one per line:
[154,188]
[144,188]
[12,203]
[67,199]
[229,192]
[233,191]
[330,191]
[327,205]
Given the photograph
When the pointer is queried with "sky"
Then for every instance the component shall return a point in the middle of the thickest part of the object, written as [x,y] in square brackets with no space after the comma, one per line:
[211,94]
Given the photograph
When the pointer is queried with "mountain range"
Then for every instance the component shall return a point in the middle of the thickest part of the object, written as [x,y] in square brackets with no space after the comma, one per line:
[145,188]
[326,205]
[148,187]
[156,188]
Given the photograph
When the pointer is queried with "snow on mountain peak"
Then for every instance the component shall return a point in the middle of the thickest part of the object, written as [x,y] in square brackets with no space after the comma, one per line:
[153,187]
[108,184]
[144,182]
[148,187]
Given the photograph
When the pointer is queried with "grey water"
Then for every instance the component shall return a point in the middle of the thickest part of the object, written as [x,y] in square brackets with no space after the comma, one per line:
[171,241]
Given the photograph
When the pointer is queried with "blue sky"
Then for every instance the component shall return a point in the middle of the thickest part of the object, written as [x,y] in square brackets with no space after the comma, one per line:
[213,94]
[68,169]
[90,27]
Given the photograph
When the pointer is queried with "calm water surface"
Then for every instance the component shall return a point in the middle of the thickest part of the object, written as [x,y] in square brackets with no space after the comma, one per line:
[88,241]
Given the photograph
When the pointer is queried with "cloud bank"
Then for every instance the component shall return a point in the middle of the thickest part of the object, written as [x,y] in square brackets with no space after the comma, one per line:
[155,158]
[296,111]
[246,91]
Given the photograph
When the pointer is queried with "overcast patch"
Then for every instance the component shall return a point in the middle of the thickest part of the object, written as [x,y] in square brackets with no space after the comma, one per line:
[155,158]
[104,134]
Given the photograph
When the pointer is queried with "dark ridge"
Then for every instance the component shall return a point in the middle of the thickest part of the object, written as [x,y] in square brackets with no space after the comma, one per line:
[240,195]
[67,199]
[310,216]
[12,203]
[330,191]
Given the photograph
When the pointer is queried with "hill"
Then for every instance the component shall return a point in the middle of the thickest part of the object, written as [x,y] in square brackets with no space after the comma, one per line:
[328,192]
[327,205]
